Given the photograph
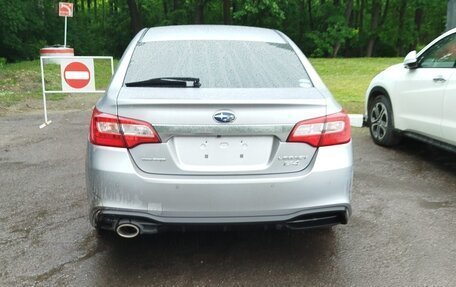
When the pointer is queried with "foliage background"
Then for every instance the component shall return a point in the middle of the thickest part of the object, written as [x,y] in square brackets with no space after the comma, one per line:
[321,28]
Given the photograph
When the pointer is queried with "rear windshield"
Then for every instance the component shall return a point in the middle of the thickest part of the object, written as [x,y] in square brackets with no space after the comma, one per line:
[220,64]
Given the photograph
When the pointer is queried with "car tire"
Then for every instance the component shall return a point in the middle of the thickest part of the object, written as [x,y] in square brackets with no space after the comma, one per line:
[381,122]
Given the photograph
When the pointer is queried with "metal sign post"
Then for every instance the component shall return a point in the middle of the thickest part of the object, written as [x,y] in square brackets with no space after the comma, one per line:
[43,89]
[78,76]
[65,33]
[65,10]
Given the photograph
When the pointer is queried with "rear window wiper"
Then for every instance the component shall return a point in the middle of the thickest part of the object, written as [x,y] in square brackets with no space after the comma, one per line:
[167,82]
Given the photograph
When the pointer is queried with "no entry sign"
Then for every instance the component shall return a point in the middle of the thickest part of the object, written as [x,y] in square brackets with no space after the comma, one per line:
[77,75]
[65,9]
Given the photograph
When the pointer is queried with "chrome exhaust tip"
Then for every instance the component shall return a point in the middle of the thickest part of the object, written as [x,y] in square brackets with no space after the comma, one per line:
[127,230]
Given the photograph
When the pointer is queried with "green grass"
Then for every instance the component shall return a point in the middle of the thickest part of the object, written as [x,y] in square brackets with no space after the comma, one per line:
[347,79]
[22,81]
[19,81]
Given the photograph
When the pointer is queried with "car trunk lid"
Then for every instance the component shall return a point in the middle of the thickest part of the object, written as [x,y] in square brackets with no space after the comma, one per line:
[194,143]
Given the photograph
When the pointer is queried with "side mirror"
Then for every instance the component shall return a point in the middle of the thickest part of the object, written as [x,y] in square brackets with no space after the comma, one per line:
[410,61]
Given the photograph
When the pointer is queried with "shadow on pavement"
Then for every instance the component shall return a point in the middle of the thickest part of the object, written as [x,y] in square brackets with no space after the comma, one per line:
[437,157]
[215,255]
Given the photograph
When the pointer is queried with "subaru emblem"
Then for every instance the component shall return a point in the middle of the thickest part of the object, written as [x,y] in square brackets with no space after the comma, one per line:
[224,117]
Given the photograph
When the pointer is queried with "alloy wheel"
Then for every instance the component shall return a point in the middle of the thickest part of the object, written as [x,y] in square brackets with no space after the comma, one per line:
[379,120]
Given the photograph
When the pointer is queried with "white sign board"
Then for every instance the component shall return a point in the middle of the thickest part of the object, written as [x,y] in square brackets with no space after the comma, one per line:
[77,75]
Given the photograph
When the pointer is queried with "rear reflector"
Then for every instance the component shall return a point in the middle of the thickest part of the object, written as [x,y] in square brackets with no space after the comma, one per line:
[110,130]
[324,131]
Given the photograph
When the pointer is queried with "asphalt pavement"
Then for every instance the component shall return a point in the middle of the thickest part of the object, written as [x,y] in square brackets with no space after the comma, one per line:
[402,231]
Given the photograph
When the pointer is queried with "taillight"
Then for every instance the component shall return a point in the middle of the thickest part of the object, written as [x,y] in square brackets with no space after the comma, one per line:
[110,130]
[324,131]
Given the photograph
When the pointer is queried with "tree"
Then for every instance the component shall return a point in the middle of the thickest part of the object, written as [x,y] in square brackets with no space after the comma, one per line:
[451,15]
[349,34]
[227,20]
[199,11]
[377,20]
[321,28]
[332,29]
[136,23]
[262,13]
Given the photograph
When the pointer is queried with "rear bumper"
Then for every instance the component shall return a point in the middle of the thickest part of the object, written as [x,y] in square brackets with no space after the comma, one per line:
[109,219]
[117,190]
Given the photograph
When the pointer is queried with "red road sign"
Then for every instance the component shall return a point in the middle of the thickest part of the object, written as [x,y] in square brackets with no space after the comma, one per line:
[65,9]
[76,75]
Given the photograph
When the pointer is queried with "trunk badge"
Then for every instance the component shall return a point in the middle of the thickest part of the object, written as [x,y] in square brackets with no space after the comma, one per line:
[224,117]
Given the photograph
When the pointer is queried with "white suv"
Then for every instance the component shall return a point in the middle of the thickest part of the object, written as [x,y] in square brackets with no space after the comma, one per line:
[416,98]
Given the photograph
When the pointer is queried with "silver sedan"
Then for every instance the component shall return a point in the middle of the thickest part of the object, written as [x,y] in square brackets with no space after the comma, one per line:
[217,126]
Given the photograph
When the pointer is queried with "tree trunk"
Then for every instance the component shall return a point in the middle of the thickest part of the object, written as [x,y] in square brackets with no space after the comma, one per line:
[348,12]
[234,9]
[165,8]
[112,6]
[227,12]
[418,21]
[362,9]
[309,12]
[451,15]
[103,14]
[370,46]
[384,14]
[373,28]
[199,11]
[89,18]
[302,20]
[136,23]
[176,5]
[399,44]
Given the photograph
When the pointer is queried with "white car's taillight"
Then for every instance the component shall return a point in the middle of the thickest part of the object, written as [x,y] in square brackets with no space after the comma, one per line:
[324,131]
[110,130]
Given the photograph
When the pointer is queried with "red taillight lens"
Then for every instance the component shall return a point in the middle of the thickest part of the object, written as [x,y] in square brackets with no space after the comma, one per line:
[325,131]
[110,130]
